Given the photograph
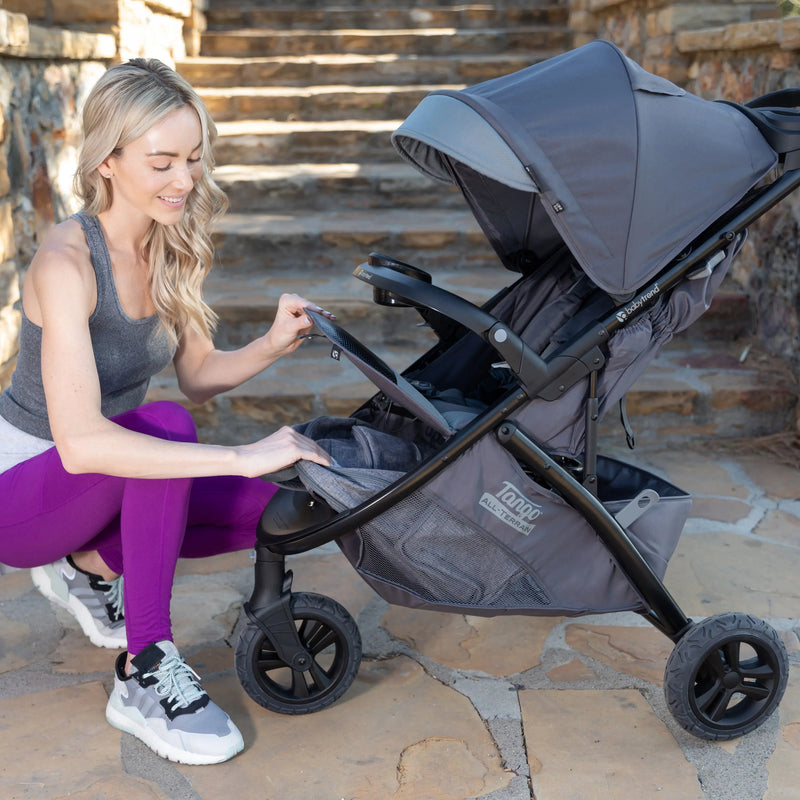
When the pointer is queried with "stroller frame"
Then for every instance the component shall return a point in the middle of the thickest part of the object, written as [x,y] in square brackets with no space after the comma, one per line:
[287,630]
[644,235]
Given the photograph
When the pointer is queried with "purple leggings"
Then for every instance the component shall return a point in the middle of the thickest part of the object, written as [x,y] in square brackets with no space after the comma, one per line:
[139,526]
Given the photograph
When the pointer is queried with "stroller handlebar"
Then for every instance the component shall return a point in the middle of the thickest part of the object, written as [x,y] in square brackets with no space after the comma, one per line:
[531,370]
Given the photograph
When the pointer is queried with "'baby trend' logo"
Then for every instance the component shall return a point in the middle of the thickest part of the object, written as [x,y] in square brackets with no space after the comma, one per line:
[512,507]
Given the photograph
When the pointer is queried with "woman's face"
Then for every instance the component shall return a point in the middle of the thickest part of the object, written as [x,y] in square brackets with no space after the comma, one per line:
[155,173]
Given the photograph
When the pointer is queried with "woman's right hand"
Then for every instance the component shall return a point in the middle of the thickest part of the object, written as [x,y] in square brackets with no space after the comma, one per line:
[282,449]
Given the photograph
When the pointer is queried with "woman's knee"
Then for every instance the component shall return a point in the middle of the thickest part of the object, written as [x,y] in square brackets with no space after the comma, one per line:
[163,419]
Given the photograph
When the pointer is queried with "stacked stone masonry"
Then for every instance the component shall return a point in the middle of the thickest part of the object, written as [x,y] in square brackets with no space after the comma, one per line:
[52,51]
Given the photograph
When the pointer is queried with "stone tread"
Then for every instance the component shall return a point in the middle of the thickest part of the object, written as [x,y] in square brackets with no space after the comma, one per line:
[358,69]
[431,238]
[317,102]
[350,15]
[518,39]
[279,142]
[312,187]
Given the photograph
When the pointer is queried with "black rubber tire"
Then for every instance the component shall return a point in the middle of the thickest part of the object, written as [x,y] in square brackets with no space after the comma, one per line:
[726,676]
[332,638]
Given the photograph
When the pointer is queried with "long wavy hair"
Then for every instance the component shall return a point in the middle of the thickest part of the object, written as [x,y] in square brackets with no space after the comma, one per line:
[128,100]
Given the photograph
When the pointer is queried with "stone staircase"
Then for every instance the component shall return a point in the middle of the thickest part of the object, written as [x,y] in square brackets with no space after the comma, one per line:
[306,99]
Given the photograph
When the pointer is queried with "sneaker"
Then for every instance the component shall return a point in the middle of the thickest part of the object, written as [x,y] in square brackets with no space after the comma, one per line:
[163,704]
[94,602]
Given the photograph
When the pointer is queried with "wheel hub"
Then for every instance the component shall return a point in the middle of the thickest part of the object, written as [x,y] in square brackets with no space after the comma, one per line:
[731,679]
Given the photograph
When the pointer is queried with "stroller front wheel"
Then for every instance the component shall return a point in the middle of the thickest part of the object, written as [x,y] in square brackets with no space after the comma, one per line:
[726,676]
[329,634]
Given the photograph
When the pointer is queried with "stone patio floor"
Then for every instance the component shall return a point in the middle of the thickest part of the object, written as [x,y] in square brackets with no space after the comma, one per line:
[445,706]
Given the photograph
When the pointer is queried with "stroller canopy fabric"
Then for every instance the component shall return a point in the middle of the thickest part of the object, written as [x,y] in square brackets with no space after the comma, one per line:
[590,149]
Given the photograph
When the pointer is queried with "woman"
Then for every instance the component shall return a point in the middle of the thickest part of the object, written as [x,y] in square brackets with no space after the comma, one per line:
[92,480]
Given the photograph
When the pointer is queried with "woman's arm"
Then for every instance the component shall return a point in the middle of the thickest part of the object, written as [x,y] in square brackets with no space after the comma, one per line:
[204,371]
[63,299]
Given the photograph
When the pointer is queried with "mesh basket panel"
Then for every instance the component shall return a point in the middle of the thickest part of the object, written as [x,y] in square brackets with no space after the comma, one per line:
[422,548]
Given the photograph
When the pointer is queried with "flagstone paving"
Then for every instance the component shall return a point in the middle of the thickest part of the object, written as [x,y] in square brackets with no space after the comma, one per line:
[445,706]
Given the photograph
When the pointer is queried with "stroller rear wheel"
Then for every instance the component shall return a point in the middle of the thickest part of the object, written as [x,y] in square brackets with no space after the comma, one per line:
[726,676]
[331,637]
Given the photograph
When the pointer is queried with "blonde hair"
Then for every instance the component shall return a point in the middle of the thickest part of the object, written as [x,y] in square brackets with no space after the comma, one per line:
[126,102]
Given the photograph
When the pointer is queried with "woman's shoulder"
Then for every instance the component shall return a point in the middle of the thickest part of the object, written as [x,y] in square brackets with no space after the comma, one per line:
[61,268]
[64,248]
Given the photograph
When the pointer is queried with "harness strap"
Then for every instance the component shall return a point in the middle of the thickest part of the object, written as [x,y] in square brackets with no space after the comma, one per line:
[626,423]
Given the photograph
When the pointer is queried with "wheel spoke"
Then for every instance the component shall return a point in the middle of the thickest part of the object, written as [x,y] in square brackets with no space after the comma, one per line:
[320,677]
[754,691]
[757,673]
[720,705]
[306,629]
[299,685]
[311,630]
[325,638]
[709,697]
[715,663]
[270,663]
[732,652]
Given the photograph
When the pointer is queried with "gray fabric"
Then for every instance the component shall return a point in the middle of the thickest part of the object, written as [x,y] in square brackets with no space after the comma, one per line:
[627,167]
[128,352]
[560,425]
[483,536]
[351,444]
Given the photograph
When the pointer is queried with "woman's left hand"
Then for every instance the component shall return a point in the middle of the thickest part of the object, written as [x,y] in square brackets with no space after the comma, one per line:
[291,323]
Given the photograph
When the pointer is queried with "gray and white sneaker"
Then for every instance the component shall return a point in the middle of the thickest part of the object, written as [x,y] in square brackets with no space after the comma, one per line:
[94,602]
[163,704]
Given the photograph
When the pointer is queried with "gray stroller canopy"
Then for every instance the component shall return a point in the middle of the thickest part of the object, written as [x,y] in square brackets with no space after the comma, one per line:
[588,149]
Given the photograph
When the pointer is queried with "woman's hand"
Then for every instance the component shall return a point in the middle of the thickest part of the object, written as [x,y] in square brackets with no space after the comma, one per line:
[291,323]
[282,449]
[203,371]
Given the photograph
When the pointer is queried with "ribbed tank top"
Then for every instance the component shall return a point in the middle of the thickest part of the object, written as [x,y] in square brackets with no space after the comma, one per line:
[127,352]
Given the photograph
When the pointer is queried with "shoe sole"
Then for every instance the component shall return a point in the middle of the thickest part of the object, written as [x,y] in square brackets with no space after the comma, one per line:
[130,720]
[44,583]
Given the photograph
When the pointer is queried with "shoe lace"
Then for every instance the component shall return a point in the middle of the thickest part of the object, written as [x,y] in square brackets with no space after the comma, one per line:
[177,682]
[115,598]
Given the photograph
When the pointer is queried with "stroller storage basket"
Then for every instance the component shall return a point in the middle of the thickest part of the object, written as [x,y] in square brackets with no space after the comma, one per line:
[496,542]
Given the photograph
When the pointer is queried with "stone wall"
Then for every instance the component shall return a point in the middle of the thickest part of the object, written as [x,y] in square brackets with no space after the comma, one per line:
[51,54]
[734,50]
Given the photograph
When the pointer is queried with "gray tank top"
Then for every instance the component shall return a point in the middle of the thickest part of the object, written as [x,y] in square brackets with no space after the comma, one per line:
[127,352]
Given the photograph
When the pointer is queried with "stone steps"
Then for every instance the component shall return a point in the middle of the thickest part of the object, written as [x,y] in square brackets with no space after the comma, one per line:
[423,41]
[264,188]
[338,240]
[331,141]
[357,70]
[305,5]
[727,390]
[330,102]
[476,15]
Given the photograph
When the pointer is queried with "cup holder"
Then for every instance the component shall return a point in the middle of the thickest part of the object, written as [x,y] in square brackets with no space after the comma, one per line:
[385,297]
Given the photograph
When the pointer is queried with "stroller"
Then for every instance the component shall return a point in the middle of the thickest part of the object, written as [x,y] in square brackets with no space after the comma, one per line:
[472,483]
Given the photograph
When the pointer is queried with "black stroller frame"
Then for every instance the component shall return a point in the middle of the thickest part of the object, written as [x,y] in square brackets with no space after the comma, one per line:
[725,676]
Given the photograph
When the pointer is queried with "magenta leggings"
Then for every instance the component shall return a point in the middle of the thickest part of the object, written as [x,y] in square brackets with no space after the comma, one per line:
[139,526]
